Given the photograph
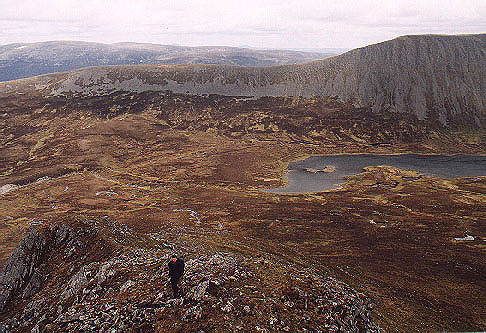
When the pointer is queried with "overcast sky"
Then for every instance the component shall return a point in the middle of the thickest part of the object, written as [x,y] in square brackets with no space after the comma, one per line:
[257,23]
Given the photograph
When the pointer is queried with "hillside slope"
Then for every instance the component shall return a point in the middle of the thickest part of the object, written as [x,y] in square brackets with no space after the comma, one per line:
[152,173]
[29,59]
[441,78]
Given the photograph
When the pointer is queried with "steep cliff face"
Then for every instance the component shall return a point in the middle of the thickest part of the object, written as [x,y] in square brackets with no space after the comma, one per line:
[442,78]
[431,76]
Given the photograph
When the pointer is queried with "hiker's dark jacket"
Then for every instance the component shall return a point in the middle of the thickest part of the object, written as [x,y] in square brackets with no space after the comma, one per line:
[176,269]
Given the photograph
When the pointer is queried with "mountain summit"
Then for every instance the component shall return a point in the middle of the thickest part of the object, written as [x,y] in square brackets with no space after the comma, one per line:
[435,77]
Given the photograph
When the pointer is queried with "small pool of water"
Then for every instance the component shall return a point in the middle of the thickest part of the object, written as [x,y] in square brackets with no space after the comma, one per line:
[304,176]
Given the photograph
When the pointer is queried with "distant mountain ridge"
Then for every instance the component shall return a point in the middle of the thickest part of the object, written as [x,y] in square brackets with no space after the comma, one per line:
[30,59]
[435,77]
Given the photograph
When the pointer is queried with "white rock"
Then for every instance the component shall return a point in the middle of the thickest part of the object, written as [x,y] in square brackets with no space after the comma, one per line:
[466,238]
[7,188]
[127,285]
[228,307]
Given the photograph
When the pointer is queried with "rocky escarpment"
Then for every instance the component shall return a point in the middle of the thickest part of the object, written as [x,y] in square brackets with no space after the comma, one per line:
[437,77]
[440,78]
[20,275]
[28,269]
[128,289]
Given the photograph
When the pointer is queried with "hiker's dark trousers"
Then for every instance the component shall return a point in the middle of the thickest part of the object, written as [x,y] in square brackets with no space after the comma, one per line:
[174,281]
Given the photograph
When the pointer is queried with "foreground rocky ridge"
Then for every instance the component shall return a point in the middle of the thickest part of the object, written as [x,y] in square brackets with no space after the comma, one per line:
[28,268]
[440,78]
[128,289]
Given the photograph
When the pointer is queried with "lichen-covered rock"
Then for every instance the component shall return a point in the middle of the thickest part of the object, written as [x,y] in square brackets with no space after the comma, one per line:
[20,274]
[77,282]
[197,292]
[127,285]
[105,272]
[193,313]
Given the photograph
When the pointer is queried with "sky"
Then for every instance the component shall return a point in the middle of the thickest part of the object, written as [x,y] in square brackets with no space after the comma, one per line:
[255,23]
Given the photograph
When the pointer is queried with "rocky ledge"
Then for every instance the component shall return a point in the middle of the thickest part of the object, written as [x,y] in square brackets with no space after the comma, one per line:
[87,278]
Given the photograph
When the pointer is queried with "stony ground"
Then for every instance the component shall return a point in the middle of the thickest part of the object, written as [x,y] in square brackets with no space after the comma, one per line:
[127,287]
[188,173]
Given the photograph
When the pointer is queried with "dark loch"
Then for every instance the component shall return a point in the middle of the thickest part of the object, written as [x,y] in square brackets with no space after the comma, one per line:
[443,166]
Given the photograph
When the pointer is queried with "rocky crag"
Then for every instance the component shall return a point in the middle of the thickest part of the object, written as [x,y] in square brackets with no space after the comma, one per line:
[441,78]
[109,278]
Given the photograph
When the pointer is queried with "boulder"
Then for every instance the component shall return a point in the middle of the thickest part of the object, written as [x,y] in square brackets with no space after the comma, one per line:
[198,292]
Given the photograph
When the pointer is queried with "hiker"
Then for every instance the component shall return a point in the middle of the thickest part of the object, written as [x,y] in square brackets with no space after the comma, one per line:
[176,270]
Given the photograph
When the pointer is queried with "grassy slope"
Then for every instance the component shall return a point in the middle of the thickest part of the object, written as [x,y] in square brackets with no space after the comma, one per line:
[214,156]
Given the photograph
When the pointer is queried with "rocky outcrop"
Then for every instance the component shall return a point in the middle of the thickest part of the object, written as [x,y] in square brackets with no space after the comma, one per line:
[440,78]
[21,272]
[27,270]
[220,291]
